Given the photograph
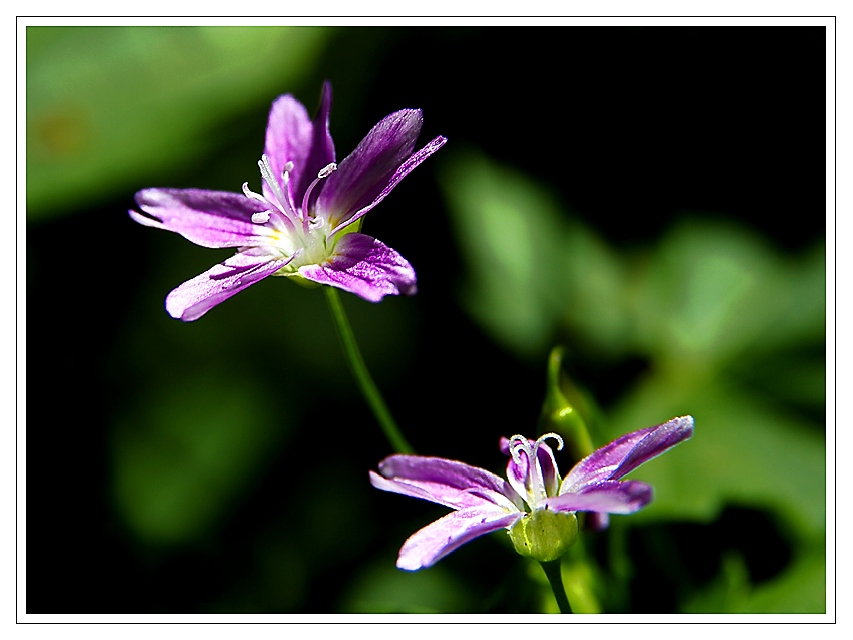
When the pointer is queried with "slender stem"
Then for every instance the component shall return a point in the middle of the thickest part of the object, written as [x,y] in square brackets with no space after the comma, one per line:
[555,577]
[362,375]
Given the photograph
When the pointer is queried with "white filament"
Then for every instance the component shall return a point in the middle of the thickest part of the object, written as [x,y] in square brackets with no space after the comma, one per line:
[534,479]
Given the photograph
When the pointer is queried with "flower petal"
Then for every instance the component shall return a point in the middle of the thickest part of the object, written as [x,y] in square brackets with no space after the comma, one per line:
[405,169]
[448,482]
[322,147]
[597,521]
[363,175]
[292,137]
[435,541]
[289,138]
[213,219]
[605,497]
[196,297]
[364,266]
[624,454]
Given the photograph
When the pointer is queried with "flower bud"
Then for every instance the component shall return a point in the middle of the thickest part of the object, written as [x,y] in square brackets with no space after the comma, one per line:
[544,535]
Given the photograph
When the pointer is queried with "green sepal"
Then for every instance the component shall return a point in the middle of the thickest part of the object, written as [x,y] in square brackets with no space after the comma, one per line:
[544,535]
[300,280]
[559,415]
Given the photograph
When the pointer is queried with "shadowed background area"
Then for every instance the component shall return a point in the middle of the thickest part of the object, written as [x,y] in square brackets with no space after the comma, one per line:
[652,199]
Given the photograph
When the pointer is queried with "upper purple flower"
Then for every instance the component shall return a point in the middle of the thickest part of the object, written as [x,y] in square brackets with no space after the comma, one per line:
[306,221]
[484,502]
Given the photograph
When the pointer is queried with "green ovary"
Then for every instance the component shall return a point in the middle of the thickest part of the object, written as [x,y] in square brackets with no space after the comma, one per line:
[544,535]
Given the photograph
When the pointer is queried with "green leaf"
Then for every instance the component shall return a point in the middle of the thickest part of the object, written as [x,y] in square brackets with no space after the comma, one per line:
[382,588]
[108,107]
[801,588]
[531,270]
[510,233]
[184,455]
[744,451]
[714,293]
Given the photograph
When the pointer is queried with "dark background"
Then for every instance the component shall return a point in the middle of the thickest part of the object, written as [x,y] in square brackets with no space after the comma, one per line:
[631,127]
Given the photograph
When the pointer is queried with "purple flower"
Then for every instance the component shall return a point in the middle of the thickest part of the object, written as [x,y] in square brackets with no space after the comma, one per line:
[533,492]
[305,222]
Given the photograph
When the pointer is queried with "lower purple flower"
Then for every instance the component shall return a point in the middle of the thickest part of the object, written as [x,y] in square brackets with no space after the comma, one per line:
[305,223]
[484,502]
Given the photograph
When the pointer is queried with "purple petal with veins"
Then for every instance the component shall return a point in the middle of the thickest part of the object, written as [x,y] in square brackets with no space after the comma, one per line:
[405,169]
[289,138]
[604,497]
[213,219]
[364,266]
[485,503]
[364,173]
[322,151]
[615,460]
[449,482]
[291,228]
[196,297]
[435,541]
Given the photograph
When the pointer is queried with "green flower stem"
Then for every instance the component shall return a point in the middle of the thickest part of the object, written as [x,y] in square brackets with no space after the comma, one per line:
[362,375]
[555,577]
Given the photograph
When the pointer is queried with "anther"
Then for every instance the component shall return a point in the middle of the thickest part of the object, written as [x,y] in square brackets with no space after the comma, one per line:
[261,217]
[252,195]
[326,171]
[285,172]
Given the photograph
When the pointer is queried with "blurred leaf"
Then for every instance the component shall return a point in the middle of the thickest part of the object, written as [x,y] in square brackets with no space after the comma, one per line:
[743,452]
[382,588]
[715,307]
[510,233]
[709,307]
[530,269]
[801,588]
[714,292]
[108,105]
[186,454]
[709,291]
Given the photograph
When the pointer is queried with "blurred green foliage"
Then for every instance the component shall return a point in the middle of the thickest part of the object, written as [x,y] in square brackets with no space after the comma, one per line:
[732,331]
[110,106]
[223,467]
[382,588]
[184,455]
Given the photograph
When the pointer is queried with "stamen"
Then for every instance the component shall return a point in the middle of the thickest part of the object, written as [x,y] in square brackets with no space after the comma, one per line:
[266,172]
[325,172]
[261,217]
[534,482]
[285,172]
[252,195]
[285,205]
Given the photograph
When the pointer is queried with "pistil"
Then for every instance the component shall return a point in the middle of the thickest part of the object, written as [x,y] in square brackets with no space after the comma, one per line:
[535,481]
